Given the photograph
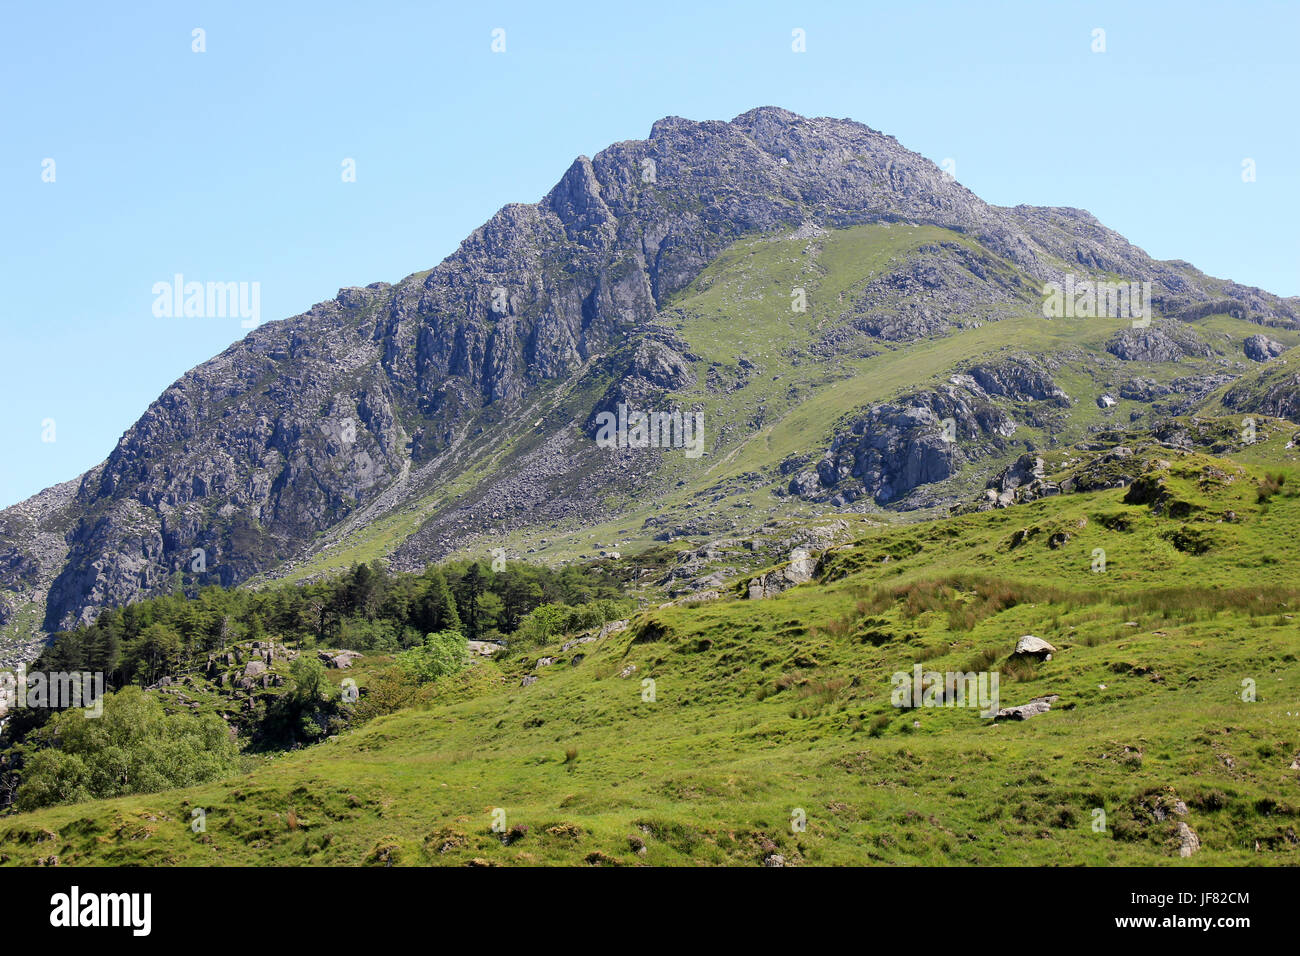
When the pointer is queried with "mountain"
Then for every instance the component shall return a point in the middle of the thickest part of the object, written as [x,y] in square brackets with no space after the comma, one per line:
[825,298]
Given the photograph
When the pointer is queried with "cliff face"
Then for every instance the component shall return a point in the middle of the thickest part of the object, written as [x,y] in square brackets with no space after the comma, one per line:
[380,397]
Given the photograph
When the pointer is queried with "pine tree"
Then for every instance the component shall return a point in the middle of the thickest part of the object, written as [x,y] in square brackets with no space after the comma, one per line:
[436,607]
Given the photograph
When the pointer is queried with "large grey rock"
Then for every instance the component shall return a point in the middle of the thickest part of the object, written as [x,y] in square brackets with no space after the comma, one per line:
[1020,378]
[1022,480]
[339,659]
[1165,341]
[799,570]
[1260,348]
[1032,646]
[899,446]
[1037,706]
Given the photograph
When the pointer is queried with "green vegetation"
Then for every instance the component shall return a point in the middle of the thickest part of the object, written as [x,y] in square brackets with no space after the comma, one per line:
[1176,672]
[192,652]
[133,747]
[1165,577]
[441,654]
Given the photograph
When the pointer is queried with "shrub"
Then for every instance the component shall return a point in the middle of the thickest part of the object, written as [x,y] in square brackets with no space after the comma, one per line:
[133,747]
[443,653]
[541,624]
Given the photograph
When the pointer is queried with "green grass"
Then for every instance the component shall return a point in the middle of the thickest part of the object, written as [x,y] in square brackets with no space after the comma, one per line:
[765,708]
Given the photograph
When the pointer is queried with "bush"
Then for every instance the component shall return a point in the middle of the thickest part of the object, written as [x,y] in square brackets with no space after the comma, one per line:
[387,692]
[546,622]
[307,679]
[133,747]
[541,624]
[443,653]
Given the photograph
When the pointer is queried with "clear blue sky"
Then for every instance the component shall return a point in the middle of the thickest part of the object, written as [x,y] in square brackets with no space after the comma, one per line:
[226,165]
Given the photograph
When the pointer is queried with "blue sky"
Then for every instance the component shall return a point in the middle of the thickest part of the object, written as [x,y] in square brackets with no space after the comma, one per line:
[226,165]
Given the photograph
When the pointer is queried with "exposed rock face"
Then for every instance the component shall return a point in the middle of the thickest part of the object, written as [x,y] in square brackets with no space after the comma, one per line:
[1023,480]
[1276,396]
[1189,391]
[659,363]
[1165,341]
[1143,390]
[921,297]
[1260,348]
[798,571]
[898,447]
[1020,378]
[375,400]
[895,448]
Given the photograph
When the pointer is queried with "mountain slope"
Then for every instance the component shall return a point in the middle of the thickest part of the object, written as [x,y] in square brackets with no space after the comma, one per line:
[454,409]
[763,713]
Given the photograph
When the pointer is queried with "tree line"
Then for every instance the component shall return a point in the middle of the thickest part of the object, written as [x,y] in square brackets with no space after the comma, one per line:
[368,608]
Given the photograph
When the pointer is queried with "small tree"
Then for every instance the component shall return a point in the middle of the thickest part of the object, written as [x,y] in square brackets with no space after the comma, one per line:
[307,680]
[542,623]
[435,609]
[445,652]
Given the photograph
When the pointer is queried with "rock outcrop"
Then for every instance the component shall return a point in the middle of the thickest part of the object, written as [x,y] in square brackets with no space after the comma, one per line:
[1165,341]
[1260,348]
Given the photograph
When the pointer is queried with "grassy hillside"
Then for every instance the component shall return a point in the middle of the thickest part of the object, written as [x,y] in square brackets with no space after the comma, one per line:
[766,709]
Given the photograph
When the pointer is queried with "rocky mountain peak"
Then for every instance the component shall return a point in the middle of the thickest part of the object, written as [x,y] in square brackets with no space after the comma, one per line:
[382,396]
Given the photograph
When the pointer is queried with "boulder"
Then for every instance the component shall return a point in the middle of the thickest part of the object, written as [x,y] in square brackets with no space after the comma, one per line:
[799,570]
[577,641]
[1260,348]
[612,627]
[1022,480]
[801,566]
[1188,841]
[339,659]
[1031,646]
[1167,341]
[1039,705]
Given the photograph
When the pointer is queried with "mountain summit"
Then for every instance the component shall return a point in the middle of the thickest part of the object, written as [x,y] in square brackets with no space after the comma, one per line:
[826,299]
